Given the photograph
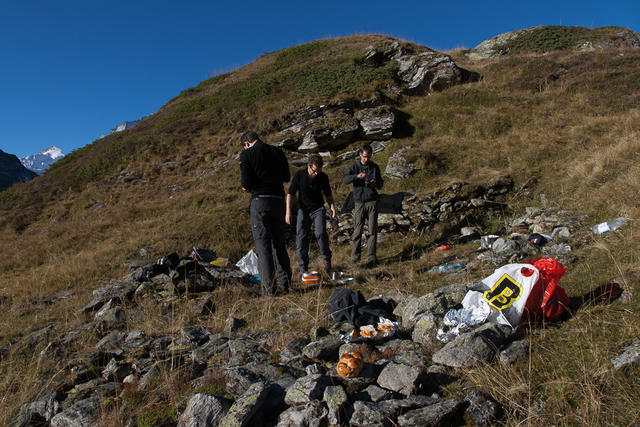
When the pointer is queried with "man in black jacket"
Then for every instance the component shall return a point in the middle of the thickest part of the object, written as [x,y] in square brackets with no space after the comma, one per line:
[264,169]
[365,176]
[311,183]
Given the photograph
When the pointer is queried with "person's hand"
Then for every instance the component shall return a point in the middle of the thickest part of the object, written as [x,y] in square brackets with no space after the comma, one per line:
[361,175]
[287,218]
[334,214]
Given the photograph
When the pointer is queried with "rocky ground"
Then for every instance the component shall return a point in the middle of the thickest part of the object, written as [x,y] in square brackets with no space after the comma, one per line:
[404,376]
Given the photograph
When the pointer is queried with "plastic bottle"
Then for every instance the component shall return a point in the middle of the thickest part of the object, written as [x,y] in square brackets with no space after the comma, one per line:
[453,266]
[605,227]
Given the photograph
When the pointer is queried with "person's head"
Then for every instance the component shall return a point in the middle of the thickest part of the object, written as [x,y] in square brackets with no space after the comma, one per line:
[365,154]
[314,165]
[248,139]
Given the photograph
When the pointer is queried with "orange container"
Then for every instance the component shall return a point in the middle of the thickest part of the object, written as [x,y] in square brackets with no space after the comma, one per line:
[311,278]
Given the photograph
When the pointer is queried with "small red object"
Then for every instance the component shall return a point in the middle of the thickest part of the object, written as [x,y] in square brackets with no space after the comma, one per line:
[443,248]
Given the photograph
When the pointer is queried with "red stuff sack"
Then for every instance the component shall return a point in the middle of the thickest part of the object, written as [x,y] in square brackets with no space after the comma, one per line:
[547,300]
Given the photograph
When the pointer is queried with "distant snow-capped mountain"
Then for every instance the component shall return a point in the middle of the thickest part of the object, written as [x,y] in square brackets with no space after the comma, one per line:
[41,161]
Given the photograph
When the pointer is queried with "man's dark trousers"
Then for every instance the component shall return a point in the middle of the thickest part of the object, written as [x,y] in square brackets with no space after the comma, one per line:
[267,225]
[361,211]
[303,228]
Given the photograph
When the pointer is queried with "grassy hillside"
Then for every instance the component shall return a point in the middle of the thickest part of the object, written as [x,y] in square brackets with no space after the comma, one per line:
[570,120]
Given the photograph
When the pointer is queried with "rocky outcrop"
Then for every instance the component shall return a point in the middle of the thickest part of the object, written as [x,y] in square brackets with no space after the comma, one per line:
[12,171]
[495,46]
[499,45]
[332,126]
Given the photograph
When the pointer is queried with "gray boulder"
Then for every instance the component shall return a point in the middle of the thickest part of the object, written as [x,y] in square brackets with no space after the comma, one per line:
[110,316]
[376,123]
[203,410]
[481,409]
[426,329]
[111,343]
[368,414]
[312,414]
[40,411]
[479,345]
[397,166]
[246,406]
[119,291]
[82,413]
[437,303]
[306,389]
[402,379]
[431,71]
[326,349]
[439,414]
[336,401]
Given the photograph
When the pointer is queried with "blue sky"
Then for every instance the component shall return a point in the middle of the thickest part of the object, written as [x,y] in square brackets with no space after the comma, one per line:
[72,70]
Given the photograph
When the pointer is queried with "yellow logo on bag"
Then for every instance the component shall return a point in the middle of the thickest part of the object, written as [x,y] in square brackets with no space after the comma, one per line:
[504,293]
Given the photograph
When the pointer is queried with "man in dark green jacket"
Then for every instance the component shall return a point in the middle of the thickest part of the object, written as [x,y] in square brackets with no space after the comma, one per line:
[365,176]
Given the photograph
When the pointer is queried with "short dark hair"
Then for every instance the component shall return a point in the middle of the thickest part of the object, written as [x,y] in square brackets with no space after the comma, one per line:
[315,160]
[249,136]
[366,148]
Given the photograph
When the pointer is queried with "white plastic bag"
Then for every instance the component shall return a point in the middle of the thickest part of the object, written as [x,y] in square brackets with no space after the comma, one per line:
[249,263]
[500,297]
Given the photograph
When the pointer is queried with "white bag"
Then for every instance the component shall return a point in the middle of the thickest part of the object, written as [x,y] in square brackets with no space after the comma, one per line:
[249,263]
[500,297]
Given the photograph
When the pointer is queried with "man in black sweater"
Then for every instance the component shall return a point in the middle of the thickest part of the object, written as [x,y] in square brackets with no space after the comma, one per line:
[311,183]
[365,176]
[264,169]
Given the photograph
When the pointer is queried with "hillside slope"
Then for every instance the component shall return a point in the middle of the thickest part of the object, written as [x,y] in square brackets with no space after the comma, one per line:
[564,125]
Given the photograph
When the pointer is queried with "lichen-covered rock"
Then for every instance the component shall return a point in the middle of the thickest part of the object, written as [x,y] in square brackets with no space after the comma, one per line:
[306,389]
[439,414]
[426,329]
[368,414]
[81,413]
[336,400]
[203,410]
[246,406]
[312,414]
[481,409]
[436,303]
[397,166]
[217,345]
